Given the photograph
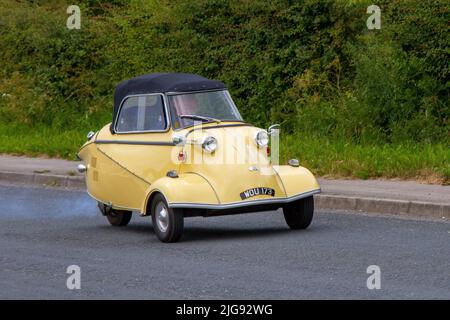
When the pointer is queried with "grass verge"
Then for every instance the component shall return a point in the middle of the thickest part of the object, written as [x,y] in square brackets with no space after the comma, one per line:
[323,156]
[340,159]
[41,141]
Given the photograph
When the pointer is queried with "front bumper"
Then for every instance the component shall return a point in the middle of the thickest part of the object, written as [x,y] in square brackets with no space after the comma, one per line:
[245,203]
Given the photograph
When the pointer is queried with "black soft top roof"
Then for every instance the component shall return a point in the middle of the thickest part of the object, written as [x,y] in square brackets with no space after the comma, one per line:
[162,83]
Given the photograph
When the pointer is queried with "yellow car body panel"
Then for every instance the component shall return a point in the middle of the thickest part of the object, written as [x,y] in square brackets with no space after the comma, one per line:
[237,164]
[297,180]
[109,182]
[124,170]
[187,188]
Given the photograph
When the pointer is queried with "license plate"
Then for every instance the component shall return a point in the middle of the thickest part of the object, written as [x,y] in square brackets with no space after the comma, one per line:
[260,191]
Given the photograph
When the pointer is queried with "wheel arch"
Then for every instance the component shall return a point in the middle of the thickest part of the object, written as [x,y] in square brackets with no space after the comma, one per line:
[148,202]
[297,180]
[187,188]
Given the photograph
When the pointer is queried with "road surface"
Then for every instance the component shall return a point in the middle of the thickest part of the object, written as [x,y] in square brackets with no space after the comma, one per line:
[250,256]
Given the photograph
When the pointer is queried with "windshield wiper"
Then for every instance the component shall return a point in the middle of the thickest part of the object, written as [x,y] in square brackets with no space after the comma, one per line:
[195,117]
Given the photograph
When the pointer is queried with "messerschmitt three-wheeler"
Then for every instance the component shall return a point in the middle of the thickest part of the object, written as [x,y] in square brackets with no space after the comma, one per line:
[178,147]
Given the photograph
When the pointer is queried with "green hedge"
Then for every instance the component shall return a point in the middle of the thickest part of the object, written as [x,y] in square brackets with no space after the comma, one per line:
[311,65]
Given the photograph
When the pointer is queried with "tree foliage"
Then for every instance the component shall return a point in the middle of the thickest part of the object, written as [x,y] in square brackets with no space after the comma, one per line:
[311,65]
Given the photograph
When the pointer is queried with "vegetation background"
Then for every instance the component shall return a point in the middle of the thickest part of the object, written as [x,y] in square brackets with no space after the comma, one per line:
[352,102]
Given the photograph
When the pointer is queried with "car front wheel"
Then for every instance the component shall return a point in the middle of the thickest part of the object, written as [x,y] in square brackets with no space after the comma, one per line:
[167,222]
[299,214]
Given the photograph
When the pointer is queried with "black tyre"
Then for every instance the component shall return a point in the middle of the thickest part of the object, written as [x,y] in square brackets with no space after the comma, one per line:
[168,223]
[118,218]
[299,214]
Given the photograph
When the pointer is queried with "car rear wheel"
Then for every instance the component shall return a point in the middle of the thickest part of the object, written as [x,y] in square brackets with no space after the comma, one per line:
[167,222]
[299,214]
[118,218]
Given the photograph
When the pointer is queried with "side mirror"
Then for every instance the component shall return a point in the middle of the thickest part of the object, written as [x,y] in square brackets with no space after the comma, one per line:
[179,140]
[273,128]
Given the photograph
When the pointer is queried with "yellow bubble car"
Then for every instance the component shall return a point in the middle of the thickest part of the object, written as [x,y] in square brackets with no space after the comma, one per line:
[178,147]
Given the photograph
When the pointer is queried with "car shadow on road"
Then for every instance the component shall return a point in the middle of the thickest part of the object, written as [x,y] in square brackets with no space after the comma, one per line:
[220,234]
[131,228]
[195,233]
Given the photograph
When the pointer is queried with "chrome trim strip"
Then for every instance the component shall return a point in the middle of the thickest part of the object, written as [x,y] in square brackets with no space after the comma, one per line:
[243,124]
[175,93]
[243,203]
[143,143]
[165,105]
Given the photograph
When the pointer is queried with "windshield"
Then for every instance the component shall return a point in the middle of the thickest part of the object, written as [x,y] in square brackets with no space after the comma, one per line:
[187,108]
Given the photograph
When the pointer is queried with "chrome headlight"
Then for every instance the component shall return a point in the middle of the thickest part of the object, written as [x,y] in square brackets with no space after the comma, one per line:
[209,144]
[262,139]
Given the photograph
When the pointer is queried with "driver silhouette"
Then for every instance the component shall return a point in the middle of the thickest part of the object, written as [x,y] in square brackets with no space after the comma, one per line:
[187,105]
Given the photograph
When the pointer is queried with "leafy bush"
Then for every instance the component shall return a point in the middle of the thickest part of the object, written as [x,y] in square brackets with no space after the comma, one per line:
[311,65]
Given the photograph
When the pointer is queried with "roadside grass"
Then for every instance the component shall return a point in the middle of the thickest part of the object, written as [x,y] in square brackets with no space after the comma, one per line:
[325,157]
[339,159]
[41,141]
[311,66]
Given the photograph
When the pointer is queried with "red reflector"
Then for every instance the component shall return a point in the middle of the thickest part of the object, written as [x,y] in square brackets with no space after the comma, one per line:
[268,151]
[181,156]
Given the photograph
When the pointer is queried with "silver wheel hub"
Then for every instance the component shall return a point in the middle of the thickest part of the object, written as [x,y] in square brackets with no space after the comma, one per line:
[162,216]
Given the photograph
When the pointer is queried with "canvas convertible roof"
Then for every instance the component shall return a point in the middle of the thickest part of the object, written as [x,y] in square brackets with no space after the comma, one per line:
[162,83]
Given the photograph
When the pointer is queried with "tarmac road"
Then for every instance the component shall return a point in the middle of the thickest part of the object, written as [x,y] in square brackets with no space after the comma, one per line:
[250,256]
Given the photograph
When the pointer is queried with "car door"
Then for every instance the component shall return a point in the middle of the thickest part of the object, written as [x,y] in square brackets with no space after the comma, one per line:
[139,150]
